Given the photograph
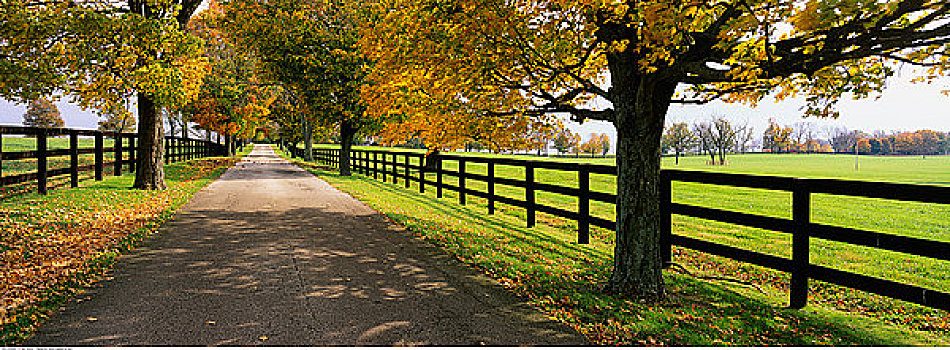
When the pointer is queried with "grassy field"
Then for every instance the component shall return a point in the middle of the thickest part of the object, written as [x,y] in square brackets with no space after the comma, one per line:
[17,144]
[52,247]
[904,218]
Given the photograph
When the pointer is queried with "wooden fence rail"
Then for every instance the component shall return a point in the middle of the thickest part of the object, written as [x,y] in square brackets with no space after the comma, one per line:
[800,226]
[123,149]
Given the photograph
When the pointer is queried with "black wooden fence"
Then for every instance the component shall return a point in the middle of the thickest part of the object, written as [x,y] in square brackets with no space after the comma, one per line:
[122,148]
[383,163]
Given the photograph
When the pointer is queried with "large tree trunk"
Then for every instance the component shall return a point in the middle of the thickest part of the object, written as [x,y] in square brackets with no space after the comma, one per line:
[308,141]
[432,160]
[150,170]
[228,150]
[640,104]
[346,144]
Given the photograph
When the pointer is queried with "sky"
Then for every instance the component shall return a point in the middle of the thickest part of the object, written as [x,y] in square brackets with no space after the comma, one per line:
[903,106]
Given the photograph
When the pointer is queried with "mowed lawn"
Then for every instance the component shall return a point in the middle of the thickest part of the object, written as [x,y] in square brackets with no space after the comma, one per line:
[544,265]
[18,144]
[928,221]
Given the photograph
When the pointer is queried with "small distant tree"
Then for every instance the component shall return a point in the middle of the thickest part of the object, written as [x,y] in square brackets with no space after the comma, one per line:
[844,140]
[864,146]
[41,113]
[604,144]
[723,137]
[745,133]
[679,138]
[592,145]
[800,135]
[703,132]
[929,142]
[564,140]
[776,138]
[121,121]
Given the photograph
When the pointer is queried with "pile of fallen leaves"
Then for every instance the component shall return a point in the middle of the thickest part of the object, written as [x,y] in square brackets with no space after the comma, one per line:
[49,241]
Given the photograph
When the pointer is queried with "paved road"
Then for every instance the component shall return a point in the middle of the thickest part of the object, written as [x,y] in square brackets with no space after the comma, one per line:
[269,250]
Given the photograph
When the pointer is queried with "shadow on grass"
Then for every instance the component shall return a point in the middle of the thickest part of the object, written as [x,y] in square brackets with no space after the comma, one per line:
[535,238]
[563,279]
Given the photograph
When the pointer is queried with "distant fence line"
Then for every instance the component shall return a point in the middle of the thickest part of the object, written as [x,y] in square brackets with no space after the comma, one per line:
[123,150]
[383,163]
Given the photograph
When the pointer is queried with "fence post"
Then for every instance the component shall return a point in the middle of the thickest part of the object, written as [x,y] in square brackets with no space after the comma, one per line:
[405,161]
[491,187]
[99,155]
[132,154]
[666,218]
[375,165]
[529,193]
[438,177]
[1,156]
[422,174]
[383,170]
[801,210]
[583,205]
[41,158]
[73,158]
[461,179]
[395,166]
[117,166]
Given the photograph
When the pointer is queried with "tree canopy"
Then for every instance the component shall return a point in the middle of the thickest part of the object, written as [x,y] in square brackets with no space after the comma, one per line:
[101,54]
[626,61]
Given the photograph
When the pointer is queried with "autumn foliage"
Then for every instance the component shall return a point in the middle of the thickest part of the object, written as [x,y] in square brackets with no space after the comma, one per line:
[42,113]
[48,245]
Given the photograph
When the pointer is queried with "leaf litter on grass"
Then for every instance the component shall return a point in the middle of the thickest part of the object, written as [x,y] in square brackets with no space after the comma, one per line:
[47,240]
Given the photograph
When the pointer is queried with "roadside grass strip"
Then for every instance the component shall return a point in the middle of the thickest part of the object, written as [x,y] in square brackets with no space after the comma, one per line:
[53,247]
[565,280]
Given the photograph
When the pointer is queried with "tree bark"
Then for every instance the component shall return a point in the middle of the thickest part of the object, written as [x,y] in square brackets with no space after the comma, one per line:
[150,166]
[308,141]
[640,103]
[346,144]
[228,141]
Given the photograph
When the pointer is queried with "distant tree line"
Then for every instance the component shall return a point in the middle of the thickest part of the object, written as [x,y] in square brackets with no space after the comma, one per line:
[567,142]
[800,139]
[715,137]
[718,137]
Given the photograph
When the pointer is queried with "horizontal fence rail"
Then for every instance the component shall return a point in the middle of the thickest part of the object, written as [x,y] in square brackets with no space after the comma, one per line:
[121,147]
[376,163]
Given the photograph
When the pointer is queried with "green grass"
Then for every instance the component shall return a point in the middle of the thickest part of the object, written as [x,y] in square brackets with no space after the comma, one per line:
[911,219]
[74,235]
[22,166]
[16,144]
[564,279]
[920,220]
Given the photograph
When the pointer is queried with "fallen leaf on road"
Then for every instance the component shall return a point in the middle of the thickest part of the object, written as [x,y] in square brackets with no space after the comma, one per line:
[211,323]
[263,338]
[91,319]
